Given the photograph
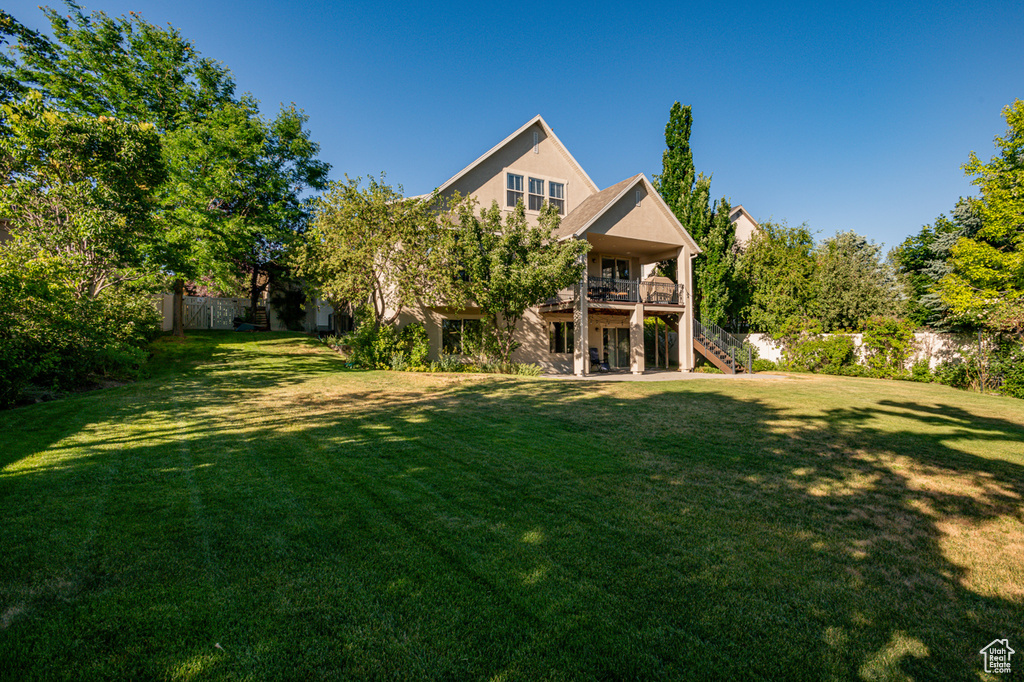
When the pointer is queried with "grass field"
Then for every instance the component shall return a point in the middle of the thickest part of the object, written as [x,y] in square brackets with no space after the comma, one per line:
[256,511]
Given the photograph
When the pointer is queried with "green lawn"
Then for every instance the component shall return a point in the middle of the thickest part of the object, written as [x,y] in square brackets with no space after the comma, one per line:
[256,511]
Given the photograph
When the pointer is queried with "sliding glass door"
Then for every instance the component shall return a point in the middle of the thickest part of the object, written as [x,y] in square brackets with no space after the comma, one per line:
[616,346]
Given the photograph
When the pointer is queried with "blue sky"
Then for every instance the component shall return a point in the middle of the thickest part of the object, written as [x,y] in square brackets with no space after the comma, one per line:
[847,117]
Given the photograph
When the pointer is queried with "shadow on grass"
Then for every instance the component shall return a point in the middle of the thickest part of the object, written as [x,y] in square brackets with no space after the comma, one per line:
[502,529]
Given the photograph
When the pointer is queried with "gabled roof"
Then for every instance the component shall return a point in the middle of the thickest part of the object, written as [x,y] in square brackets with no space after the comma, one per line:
[734,214]
[593,207]
[547,132]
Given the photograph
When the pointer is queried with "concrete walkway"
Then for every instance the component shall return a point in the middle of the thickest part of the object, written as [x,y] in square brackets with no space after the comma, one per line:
[667,375]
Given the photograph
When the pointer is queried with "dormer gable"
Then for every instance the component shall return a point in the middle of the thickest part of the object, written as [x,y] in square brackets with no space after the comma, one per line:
[531,165]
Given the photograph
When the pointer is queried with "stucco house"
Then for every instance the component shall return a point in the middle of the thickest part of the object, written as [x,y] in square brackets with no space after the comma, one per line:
[629,227]
[745,225]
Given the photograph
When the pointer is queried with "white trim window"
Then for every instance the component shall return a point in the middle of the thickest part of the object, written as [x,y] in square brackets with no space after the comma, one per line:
[536,194]
[556,196]
[514,187]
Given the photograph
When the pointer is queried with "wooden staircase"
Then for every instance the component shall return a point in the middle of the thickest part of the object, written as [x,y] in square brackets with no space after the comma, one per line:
[260,319]
[720,348]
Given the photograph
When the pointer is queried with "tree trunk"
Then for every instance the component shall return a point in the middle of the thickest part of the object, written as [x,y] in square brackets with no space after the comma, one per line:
[254,293]
[178,309]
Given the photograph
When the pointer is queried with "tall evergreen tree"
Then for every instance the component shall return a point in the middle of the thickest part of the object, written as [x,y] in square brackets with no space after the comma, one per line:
[688,194]
[923,259]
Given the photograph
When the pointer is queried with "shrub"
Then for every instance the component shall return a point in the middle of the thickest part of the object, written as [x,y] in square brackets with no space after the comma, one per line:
[289,301]
[414,341]
[762,365]
[827,354]
[708,369]
[526,370]
[449,363]
[958,374]
[55,340]
[399,362]
[921,371]
[887,344]
[385,345]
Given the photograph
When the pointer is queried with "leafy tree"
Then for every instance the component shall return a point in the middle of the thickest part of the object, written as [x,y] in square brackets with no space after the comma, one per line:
[777,276]
[81,187]
[11,88]
[232,202]
[715,273]
[852,282]
[688,194]
[370,245]
[923,259]
[243,209]
[509,265]
[987,281]
[123,66]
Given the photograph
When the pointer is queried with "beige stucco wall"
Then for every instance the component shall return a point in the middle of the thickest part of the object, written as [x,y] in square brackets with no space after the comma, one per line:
[487,180]
[646,222]
[745,229]
[594,264]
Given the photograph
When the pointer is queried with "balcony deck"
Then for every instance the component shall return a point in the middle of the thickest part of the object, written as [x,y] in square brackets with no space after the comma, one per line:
[615,293]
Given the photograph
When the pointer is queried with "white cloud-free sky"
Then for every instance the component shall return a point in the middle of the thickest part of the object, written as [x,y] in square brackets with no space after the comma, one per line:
[847,117]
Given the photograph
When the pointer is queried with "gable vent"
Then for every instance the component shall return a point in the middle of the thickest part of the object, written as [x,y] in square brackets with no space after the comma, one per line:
[536,142]
[638,197]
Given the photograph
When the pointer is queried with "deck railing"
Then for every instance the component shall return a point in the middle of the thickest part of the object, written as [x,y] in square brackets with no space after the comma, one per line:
[608,290]
[730,349]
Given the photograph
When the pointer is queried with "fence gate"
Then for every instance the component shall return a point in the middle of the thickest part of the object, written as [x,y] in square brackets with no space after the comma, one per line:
[204,312]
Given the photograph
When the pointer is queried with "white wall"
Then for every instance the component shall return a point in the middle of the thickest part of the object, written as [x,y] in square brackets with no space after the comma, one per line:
[932,345]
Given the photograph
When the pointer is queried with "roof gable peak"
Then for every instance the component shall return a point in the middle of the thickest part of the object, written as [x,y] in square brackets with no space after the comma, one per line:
[548,132]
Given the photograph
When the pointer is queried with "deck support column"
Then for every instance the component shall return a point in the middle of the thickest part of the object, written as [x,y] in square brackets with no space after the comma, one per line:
[581,327]
[636,339]
[684,344]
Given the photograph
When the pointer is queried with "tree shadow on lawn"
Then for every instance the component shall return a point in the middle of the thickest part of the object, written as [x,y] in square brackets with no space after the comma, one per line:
[514,529]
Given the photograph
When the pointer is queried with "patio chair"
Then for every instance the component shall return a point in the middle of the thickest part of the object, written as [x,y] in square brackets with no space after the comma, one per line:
[595,361]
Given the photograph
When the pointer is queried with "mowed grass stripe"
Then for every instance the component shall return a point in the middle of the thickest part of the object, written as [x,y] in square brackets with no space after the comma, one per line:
[382,525]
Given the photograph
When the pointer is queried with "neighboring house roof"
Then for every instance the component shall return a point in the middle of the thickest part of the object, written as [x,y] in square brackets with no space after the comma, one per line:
[547,131]
[735,213]
[745,225]
[593,207]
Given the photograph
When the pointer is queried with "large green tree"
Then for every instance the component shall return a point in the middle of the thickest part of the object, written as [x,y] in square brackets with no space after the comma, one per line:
[987,279]
[716,267]
[506,265]
[233,199]
[852,282]
[81,188]
[688,194]
[923,260]
[369,245]
[777,276]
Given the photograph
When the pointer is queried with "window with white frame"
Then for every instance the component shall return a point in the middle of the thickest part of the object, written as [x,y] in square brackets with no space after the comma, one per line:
[531,191]
[536,194]
[460,337]
[556,196]
[514,185]
[560,337]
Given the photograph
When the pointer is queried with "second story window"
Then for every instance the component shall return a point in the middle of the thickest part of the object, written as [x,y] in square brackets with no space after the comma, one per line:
[515,189]
[530,190]
[536,194]
[556,196]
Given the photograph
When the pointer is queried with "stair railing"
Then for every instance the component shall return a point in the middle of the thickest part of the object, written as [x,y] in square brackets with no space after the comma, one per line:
[723,341]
